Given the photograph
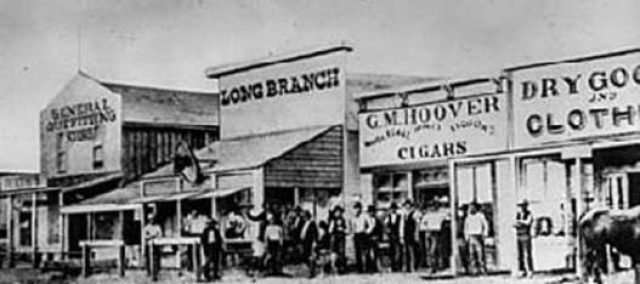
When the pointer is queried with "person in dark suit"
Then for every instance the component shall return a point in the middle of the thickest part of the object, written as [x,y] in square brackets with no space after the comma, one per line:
[211,240]
[308,240]
[374,236]
[393,223]
[409,232]
[338,232]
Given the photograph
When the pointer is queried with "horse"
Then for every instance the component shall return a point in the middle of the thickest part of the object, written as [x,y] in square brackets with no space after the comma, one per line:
[618,228]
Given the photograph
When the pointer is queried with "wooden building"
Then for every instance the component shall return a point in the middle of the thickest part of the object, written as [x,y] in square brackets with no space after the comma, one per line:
[96,138]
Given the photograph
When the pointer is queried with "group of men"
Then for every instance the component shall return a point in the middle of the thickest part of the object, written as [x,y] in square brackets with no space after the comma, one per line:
[194,225]
[411,237]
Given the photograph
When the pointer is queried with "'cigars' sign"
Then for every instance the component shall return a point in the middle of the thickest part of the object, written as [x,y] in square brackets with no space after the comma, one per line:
[440,130]
[576,100]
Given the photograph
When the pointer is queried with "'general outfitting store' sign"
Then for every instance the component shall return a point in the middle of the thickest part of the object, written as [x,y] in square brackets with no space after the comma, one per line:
[577,100]
[441,130]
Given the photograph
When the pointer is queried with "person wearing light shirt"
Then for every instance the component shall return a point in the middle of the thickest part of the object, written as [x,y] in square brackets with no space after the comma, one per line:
[360,224]
[432,221]
[476,229]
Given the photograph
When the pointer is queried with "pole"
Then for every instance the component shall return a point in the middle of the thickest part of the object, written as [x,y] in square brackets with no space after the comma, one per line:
[10,236]
[34,229]
[580,209]
[453,203]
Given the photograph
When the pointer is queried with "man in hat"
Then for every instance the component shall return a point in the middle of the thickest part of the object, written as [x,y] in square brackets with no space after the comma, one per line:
[410,235]
[393,222]
[524,220]
[374,236]
[476,229]
[211,240]
[337,231]
[359,224]
[152,230]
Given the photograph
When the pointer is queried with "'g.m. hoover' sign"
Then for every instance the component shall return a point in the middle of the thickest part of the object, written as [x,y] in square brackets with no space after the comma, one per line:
[447,129]
[571,101]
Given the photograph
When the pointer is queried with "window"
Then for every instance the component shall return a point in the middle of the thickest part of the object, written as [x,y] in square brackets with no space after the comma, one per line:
[98,157]
[61,154]
[390,188]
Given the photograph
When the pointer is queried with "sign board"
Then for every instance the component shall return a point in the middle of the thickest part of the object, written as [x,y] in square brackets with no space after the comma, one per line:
[80,130]
[578,100]
[285,95]
[434,131]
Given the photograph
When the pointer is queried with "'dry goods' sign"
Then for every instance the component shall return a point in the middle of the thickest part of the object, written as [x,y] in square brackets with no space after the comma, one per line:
[575,101]
[447,129]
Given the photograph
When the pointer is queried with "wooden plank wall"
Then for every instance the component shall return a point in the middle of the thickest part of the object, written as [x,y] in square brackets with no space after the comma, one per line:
[146,148]
[314,164]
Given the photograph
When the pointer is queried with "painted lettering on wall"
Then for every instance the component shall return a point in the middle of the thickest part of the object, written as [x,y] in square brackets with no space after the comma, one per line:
[433,131]
[305,83]
[80,121]
[602,99]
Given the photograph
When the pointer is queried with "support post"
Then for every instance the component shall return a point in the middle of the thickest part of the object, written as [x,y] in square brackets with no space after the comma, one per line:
[10,236]
[121,259]
[86,260]
[196,261]
[154,262]
[34,229]
[580,209]
[121,247]
[61,224]
[453,190]
[514,181]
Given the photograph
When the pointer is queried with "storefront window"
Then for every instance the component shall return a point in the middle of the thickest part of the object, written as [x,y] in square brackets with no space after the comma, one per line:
[390,187]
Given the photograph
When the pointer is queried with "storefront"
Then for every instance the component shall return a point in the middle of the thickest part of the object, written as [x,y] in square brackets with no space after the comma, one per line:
[575,141]
[410,138]
[97,139]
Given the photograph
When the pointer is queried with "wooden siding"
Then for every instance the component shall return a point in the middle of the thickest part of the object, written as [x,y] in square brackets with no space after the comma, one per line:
[314,164]
[147,147]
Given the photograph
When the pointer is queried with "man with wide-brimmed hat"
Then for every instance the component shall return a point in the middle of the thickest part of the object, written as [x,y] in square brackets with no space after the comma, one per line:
[410,235]
[337,232]
[524,221]
[476,229]
[211,240]
[359,224]
[393,222]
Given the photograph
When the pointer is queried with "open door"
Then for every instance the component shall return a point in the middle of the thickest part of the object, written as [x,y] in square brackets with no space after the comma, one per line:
[634,189]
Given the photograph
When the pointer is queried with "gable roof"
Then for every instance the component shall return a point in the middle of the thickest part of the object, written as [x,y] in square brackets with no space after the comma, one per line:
[143,104]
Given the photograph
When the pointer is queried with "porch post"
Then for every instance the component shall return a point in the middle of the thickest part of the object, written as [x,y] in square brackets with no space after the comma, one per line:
[453,190]
[580,206]
[10,236]
[34,229]
[61,224]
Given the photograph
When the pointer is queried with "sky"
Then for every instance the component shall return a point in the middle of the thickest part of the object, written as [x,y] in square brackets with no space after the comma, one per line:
[169,43]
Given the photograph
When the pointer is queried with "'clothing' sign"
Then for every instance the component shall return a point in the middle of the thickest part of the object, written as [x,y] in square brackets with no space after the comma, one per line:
[577,100]
[433,131]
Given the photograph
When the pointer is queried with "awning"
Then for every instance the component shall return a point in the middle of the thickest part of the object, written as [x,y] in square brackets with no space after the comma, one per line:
[95,182]
[116,200]
[168,197]
[219,193]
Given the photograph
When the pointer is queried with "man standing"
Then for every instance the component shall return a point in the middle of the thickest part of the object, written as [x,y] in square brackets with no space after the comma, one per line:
[434,219]
[524,220]
[308,239]
[410,235]
[393,222]
[152,230]
[337,231]
[476,229]
[374,236]
[211,240]
[359,225]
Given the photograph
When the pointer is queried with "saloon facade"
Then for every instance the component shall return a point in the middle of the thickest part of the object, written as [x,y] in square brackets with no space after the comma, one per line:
[288,137]
[97,138]
[563,135]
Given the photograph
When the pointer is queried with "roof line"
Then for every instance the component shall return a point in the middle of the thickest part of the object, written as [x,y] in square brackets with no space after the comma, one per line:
[421,87]
[162,89]
[574,60]
[237,67]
